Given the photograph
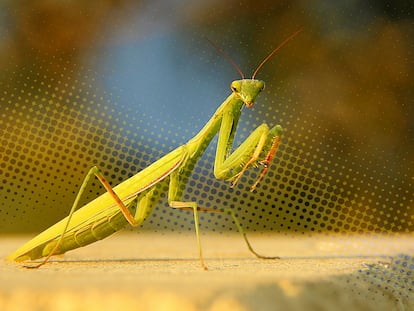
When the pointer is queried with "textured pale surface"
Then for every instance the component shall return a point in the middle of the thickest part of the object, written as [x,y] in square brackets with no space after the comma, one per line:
[150,271]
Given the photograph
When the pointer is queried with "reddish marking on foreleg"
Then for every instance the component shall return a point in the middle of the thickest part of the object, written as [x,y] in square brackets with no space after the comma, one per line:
[266,162]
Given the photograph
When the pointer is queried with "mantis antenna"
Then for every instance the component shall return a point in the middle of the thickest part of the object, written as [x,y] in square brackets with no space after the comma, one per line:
[227,57]
[220,50]
[274,51]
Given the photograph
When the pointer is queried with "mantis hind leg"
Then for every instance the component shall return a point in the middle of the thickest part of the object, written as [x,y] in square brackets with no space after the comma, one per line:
[94,171]
[228,211]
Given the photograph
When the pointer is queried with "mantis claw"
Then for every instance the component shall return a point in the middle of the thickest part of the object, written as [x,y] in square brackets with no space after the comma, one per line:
[266,167]
[37,266]
[236,180]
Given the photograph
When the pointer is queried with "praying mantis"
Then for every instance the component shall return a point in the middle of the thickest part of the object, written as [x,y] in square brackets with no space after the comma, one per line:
[133,200]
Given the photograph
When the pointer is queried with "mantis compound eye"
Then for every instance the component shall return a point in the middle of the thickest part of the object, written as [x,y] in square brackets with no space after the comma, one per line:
[235,86]
[261,85]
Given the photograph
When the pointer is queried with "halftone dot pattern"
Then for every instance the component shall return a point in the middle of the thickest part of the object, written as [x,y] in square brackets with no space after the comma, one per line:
[393,278]
[55,125]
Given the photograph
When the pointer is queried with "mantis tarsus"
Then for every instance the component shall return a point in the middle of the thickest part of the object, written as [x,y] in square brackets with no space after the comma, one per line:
[133,200]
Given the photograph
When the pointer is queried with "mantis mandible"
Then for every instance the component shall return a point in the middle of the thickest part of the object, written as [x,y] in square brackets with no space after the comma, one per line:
[133,200]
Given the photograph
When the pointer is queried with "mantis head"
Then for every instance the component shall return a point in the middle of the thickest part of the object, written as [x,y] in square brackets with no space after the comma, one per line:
[248,89]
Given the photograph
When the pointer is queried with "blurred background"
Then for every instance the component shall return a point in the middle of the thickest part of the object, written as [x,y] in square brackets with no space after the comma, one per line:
[120,83]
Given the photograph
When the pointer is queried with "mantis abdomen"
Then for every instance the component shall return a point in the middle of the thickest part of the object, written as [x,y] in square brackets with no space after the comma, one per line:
[84,235]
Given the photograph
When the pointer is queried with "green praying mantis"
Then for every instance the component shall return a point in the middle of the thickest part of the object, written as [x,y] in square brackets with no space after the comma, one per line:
[133,200]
